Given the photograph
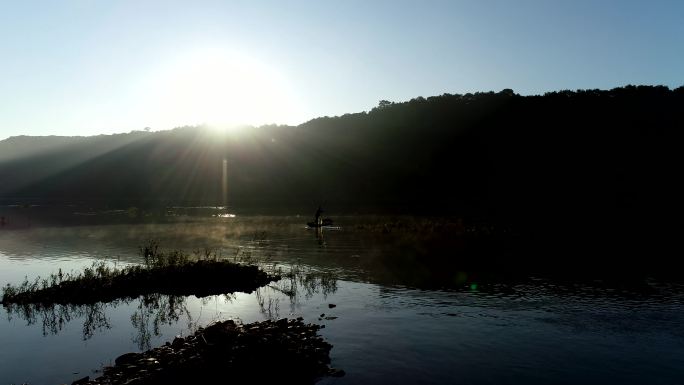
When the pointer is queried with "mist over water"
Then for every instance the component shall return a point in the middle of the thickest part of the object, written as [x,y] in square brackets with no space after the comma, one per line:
[383,329]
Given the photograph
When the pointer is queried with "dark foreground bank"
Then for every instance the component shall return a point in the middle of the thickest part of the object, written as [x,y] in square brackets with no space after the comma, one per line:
[284,351]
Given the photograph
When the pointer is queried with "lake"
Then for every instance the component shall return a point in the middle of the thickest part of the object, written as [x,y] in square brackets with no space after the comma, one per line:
[383,329]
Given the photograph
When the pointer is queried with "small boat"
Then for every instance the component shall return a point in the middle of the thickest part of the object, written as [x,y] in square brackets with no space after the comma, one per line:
[325,222]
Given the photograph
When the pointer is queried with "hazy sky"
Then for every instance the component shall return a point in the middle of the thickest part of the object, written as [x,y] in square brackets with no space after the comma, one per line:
[90,67]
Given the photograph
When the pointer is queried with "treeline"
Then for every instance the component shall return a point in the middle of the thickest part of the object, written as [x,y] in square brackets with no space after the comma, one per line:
[599,159]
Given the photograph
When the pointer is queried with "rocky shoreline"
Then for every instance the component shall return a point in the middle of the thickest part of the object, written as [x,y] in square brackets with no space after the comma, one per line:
[229,352]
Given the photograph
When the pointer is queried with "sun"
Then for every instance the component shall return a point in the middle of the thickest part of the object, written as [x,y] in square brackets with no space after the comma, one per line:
[221,89]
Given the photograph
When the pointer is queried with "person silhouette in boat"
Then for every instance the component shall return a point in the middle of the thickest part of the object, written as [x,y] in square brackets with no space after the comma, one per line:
[318,218]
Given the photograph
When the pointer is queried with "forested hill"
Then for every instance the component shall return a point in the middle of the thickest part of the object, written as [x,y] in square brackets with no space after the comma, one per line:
[614,155]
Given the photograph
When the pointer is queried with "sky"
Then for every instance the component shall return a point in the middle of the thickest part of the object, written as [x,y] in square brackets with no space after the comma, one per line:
[98,67]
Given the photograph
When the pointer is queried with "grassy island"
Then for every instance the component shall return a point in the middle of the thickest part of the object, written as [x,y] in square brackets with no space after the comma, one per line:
[173,273]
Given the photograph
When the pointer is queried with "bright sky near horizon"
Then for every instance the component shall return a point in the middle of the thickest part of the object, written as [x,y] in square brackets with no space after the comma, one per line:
[98,67]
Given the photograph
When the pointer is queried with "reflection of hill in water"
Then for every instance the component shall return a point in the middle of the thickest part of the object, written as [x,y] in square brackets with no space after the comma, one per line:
[417,251]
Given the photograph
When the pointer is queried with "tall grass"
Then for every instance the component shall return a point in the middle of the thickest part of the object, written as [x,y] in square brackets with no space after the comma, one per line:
[161,271]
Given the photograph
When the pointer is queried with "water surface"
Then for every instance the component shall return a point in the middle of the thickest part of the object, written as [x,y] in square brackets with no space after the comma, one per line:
[534,331]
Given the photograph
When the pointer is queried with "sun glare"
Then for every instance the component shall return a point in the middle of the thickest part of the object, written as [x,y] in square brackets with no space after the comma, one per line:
[221,89]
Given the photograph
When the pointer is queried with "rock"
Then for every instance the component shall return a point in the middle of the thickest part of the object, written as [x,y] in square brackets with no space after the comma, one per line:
[229,323]
[126,358]
[331,305]
[151,361]
[81,381]
[177,342]
[134,381]
[107,369]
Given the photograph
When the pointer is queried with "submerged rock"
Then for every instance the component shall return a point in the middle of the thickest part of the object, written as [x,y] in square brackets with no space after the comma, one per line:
[126,358]
[288,351]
